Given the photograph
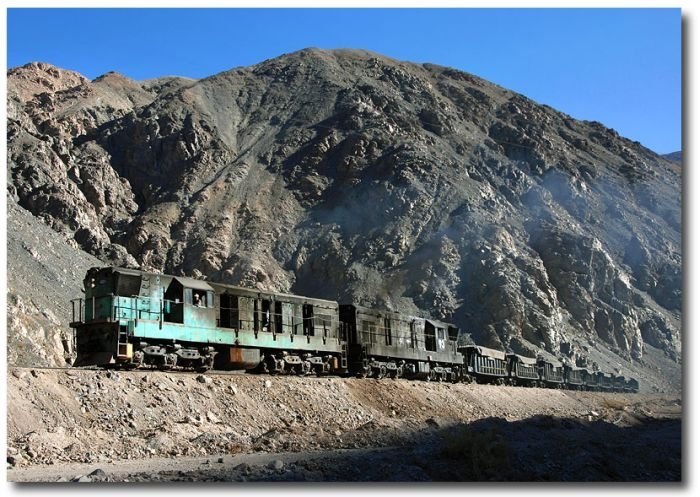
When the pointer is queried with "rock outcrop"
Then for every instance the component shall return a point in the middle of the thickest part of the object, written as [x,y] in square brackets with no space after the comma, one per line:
[351,176]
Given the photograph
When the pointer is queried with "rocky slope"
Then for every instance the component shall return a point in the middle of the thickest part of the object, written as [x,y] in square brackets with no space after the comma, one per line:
[167,426]
[44,271]
[351,176]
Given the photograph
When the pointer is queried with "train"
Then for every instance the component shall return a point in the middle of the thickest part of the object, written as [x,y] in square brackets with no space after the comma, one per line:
[129,318]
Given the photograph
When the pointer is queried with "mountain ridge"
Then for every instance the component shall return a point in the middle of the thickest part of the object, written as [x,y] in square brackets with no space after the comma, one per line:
[355,177]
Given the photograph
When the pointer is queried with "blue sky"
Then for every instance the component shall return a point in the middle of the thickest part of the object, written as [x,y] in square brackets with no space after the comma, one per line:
[618,66]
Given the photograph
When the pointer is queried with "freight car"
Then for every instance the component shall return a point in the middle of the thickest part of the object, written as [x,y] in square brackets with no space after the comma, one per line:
[575,378]
[130,318]
[551,373]
[523,371]
[485,365]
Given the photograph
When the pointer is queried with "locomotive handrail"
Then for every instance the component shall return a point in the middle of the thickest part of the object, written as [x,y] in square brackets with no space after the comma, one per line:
[296,327]
[80,310]
[92,302]
[132,307]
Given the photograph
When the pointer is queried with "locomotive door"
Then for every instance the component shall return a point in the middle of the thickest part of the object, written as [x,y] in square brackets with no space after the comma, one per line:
[228,311]
[430,339]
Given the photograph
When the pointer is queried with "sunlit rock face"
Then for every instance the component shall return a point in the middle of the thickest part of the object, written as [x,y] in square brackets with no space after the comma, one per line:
[351,176]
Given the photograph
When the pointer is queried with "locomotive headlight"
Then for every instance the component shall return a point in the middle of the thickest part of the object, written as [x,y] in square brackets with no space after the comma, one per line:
[92,282]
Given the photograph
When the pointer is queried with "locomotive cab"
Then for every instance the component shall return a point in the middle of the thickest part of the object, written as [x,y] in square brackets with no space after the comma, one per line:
[96,317]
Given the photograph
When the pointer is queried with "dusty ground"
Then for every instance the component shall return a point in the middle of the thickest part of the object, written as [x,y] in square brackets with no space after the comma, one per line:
[155,426]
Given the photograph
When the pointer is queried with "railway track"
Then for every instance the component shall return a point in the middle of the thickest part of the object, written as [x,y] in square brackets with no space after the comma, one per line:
[210,372]
[216,372]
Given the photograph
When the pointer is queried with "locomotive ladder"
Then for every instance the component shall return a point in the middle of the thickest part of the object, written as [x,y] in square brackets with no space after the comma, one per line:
[344,346]
[344,355]
[123,334]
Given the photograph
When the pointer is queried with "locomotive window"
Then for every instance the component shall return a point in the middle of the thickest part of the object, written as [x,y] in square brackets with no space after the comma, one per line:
[199,298]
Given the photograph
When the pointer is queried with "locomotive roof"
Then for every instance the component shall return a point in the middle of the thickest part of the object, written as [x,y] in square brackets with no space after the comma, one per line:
[183,280]
[193,283]
[222,287]
[213,286]
[406,317]
[439,324]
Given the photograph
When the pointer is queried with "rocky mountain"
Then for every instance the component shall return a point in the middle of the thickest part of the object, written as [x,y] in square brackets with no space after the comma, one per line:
[674,156]
[351,176]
